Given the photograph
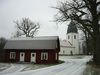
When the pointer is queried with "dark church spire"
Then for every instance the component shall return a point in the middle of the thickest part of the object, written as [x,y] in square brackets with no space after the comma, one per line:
[72,28]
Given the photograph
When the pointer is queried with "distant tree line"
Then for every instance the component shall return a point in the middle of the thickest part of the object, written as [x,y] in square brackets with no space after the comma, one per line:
[2,44]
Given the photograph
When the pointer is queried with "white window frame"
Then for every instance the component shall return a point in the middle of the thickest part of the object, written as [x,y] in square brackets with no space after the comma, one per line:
[12,55]
[63,51]
[68,37]
[56,44]
[56,56]
[43,56]
[74,36]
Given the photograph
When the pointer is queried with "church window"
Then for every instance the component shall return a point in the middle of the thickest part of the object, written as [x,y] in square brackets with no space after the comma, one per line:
[63,51]
[74,36]
[68,37]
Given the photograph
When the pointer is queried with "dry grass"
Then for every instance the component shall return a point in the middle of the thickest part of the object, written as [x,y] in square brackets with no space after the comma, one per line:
[92,69]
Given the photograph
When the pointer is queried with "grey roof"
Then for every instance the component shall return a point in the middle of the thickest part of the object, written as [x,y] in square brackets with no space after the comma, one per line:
[65,43]
[72,28]
[47,42]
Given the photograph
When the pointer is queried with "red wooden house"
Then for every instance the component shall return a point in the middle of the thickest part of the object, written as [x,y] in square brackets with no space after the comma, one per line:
[1,58]
[37,49]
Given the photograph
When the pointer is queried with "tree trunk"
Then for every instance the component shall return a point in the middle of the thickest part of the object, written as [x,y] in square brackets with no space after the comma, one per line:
[96,55]
[87,43]
[96,32]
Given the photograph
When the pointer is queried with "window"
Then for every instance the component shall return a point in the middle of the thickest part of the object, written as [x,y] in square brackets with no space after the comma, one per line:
[12,55]
[21,54]
[74,36]
[71,52]
[63,51]
[56,56]
[32,55]
[56,44]
[68,37]
[44,56]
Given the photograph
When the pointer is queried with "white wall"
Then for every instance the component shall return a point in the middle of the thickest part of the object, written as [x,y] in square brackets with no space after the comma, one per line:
[66,50]
[73,41]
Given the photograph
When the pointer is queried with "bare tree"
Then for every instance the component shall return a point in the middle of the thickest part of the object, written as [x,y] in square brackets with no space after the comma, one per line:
[87,42]
[87,14]
[26,27]
[17,33]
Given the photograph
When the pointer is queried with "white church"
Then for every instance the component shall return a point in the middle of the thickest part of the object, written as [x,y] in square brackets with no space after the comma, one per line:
[70,46]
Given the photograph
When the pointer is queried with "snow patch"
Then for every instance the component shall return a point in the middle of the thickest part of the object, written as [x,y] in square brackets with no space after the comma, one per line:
[70,67]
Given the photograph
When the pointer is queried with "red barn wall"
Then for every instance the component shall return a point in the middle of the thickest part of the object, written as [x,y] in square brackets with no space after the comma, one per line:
[51,56]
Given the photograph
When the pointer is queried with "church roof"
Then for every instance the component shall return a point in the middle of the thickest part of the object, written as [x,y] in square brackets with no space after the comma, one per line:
[65,43]
[72,28]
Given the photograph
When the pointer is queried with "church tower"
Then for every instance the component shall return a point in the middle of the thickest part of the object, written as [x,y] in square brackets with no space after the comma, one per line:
[72,37]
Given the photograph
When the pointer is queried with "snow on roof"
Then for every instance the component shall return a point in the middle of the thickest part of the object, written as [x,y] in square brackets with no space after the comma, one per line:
[36,38]
[65,43]
[47,42]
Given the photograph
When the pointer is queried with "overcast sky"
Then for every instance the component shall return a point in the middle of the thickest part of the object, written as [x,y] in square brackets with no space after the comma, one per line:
[35,10]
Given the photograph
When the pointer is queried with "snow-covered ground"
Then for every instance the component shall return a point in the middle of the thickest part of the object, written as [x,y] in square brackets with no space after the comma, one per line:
[70,67]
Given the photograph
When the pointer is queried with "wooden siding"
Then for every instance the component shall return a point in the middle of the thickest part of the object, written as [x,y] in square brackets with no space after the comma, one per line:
[51,56]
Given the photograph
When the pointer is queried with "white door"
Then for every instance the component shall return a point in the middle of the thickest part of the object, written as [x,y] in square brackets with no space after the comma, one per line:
[33,57]
[22,56]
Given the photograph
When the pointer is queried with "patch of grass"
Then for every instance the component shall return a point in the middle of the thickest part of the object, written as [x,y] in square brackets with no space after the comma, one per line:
[91,69]
[73,56]
[93,64]
[4,66]
[78,57]
[60,62]
[38,66]
[34,66]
